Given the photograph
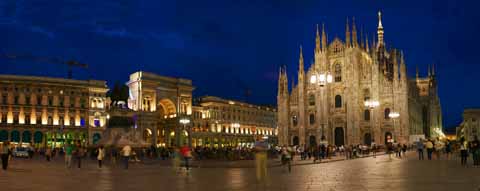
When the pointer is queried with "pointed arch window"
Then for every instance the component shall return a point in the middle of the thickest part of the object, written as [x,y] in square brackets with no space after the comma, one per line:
[338,72]
[294,120]
[387,112]
[338,101]
[311,99]
[366,115]
[312,119]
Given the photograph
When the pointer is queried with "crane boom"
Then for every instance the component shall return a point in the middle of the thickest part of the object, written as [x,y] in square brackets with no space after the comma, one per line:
[69,63]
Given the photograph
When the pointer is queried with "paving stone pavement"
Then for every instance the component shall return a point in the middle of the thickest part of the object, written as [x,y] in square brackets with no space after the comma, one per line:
[353,175]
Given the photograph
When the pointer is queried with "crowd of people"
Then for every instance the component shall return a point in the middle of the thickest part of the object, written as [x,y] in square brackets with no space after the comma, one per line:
[76,152]
[435,149]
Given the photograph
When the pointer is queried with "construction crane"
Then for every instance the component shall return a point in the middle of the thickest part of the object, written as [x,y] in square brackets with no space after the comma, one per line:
[69,63]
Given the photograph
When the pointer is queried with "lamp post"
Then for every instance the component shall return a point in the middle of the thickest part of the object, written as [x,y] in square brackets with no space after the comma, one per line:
[321,79]
[235,129]
[370,105]
[186,121]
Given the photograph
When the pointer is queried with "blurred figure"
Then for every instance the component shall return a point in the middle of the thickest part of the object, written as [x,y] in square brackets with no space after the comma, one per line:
[100,155]
[113,155]
[373,146]
[175,159]
[126,152]
[261,159]
[79,153]
[68,155]
[48,153]
[420,148]
[286,158]
[429,146]
[187,155]
[5,152]
[475,147]
[448,149]
[438,148]
[463,152]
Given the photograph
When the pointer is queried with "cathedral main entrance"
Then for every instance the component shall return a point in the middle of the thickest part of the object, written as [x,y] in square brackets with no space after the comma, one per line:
[339,136]
[313,140]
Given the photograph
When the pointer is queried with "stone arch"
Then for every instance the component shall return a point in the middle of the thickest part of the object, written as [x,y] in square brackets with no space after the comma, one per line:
[168,107]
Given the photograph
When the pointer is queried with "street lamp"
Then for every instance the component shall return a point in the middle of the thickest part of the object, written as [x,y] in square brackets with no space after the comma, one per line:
[372,104]
[186,121]
[321,79]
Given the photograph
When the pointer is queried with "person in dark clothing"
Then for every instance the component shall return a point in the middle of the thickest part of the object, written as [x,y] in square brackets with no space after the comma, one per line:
[475,149]
[463,152]
[5,152]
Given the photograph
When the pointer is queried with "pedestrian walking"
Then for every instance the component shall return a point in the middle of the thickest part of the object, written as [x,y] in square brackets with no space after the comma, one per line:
[100,155]
[126,152]
[463,152]
[438,148]
[5,152]
[187,155]
[48,153]
[79,153]
[373,147]
[286,158]
[420,147]
[261,159]
[475,149]
[113,155]
[429,146]
[448,149]
[68,155]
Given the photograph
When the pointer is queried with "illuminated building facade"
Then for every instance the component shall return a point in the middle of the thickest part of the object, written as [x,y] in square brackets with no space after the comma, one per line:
[51,111]
[166,116]
[332,100]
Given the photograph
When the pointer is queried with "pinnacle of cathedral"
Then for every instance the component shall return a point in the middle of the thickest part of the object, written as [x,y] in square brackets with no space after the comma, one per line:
[354,34]
[317,41]
[380,30]
[366,43]
[347,34]
[324,38]
[300,61]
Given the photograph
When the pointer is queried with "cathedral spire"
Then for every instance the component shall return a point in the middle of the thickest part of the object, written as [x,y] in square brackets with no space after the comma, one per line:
[403,68]
[324,38]
[354,34]
[317,41]
[361,38]
[347,34]
[285,81]
[416,74]
[433,69]
[373,43]
[280,82]
[366,43]
[429,73]
[380,30]
[300,62]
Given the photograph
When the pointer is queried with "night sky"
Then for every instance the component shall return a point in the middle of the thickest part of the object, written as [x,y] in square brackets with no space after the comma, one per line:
[227,46]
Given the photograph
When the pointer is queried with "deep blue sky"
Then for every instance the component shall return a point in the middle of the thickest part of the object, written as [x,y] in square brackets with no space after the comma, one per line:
[225,46]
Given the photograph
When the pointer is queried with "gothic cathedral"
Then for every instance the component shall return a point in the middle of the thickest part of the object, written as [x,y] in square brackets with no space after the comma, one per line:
[356,92]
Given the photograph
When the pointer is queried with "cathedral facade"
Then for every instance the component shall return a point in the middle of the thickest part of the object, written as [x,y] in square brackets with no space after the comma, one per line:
[356,92]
